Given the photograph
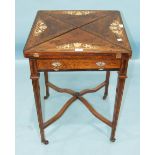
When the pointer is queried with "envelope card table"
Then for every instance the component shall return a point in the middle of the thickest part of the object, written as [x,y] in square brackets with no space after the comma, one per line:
[79,40]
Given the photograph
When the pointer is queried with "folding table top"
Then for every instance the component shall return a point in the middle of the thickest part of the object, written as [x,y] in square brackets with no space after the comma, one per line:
[71,31]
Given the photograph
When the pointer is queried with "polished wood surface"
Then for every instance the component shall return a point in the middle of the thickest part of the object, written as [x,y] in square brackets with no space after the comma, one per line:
[58,32]
[80,40]
[77,64]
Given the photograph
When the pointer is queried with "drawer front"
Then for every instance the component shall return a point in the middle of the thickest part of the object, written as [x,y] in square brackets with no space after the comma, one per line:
[77,64]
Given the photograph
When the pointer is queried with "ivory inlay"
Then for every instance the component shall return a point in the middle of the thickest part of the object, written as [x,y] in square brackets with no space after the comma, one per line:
[77,45]
[117,29]
[40,27]
[78,13]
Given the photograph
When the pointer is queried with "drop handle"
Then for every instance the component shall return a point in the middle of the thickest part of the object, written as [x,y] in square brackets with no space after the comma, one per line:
[100,64]
[56,65]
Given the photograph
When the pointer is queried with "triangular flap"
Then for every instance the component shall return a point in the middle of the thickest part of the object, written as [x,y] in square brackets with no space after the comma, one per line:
[79,17]
[112,30]
[76,40]
[46,28]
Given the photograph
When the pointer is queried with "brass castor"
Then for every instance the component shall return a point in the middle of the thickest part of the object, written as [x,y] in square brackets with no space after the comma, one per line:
[45,142]
[46,97]
[105,96]
[112,139]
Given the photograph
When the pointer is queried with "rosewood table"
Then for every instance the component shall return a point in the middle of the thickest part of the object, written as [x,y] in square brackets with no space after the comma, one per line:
[78,40]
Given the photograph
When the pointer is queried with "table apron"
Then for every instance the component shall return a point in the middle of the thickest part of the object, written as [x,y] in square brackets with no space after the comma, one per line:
[77,64]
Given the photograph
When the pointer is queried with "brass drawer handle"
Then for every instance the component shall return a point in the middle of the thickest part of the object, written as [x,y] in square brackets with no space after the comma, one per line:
[100,64]
[56,65]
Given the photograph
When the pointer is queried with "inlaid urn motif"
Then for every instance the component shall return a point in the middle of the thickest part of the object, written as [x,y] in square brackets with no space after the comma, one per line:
[78,13]
[40,27]
[76,45]
[117,29]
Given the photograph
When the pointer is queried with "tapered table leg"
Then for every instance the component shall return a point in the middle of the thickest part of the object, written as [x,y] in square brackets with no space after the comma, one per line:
[36,90]
[107,85]
[47,88]
[118,99]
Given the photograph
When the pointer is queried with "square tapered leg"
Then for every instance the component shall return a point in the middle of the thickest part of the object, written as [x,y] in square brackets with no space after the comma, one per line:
[119,94]
[107,85]
[47,88]
[36,90]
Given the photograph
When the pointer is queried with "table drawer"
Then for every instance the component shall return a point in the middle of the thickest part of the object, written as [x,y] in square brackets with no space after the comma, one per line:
[77,64]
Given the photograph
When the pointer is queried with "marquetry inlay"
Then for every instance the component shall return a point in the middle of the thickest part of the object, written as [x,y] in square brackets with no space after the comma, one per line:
[40,27]
[78,13]
[77,45]
[117,29]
